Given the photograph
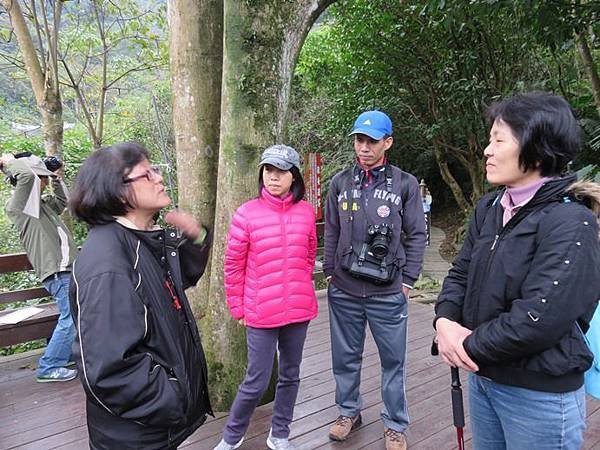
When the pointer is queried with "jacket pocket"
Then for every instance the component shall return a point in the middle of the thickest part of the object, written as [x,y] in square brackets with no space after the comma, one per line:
[570,355]
[181,386]
[346,258]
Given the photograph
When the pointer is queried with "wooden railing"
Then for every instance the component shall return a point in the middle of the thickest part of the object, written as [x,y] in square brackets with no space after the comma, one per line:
[38,326]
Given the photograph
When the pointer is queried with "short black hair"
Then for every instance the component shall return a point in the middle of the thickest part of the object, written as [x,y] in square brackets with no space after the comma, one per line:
[546,128]
[297,188]
[100,193]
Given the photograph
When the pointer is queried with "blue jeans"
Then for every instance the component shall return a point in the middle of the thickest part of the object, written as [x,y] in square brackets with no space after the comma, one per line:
[387,317]
[58,351]
[514,418]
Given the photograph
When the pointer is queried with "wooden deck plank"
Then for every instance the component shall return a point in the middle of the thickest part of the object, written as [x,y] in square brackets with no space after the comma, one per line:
[52,416]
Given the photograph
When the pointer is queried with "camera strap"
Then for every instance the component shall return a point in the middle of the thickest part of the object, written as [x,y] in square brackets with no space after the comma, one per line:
[358,185]
[362,256]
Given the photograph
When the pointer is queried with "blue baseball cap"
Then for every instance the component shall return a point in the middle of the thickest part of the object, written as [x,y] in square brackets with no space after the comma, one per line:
[375,124]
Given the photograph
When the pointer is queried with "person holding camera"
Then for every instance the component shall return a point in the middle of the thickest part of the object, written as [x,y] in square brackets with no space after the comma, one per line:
[49,245]
[374,243]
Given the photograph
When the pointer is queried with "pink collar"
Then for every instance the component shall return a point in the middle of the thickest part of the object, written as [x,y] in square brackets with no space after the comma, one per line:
[520,196]
[515,198]
[275,201]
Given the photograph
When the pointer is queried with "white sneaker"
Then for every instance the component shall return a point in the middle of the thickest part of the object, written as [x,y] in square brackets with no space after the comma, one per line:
[279,443]
[225,446]
[57,374]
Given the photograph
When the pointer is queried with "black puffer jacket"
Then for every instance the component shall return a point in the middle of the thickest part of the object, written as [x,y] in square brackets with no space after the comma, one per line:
[137,348]
[529,289]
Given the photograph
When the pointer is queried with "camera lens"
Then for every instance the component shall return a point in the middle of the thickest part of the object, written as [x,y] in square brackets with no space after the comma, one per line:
[380,236]
[379,247]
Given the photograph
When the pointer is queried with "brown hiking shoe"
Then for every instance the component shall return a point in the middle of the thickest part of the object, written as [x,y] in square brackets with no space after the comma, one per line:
[394,440]
[342,427]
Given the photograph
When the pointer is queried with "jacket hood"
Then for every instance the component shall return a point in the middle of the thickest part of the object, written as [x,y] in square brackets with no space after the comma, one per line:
[588,193]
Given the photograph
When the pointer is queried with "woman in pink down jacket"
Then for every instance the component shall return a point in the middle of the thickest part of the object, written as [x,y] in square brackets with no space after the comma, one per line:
[268,283]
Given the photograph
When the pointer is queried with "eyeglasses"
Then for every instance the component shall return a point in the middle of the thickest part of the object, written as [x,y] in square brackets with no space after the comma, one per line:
[151,174]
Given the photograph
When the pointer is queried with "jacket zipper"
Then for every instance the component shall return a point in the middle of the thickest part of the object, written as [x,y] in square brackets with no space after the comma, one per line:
[171,288]
[285,260]
[494,243]
[500,233]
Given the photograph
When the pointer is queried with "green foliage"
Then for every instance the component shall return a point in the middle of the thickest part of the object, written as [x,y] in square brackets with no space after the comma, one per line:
[425,282]
[590,173]
[433,66]
[552,23]
[21,348]
[108,49]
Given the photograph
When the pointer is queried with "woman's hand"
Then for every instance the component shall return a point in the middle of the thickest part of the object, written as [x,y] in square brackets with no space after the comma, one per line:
[242,322]
[184,222]
[450,337]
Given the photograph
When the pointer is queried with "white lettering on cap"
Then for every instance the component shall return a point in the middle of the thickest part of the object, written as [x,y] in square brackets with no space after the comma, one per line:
[367,122]
[279,152]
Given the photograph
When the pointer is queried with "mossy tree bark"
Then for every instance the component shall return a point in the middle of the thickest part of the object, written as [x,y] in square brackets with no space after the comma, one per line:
[196,60]
[262,40]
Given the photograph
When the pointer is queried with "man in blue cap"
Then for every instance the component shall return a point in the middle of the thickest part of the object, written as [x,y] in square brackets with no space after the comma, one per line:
[374,243]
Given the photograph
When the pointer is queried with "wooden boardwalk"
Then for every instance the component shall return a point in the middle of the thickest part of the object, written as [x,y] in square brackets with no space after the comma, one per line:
[51,416]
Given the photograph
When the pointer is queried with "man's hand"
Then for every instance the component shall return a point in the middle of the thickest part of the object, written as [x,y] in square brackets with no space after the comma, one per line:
[5,159]
[58,173]
[450,337]
[184,222]
[405,291]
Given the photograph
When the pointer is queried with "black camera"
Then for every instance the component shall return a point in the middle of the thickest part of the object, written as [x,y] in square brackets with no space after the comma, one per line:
[379,237]
[52,163]
[373,262]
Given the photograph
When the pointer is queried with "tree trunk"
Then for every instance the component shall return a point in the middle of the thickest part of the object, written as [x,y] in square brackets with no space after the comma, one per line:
[196,53]
[590,67]
[43,80]
[449,179]
[475,169]
[261,45]
[52,120]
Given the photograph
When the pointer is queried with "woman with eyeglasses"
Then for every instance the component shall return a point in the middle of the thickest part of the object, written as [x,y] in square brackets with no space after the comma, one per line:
[137,346]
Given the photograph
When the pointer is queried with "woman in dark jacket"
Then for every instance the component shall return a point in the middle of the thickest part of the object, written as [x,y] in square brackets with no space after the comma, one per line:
[137,348]
[525,284]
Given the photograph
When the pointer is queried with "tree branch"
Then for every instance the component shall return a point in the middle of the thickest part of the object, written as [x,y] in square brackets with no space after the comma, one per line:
[30,57]
[89,121]
[139,68]
[38,29]
[104,63]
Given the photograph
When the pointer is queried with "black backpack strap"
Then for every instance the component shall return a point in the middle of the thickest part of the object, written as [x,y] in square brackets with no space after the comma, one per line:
[403,191]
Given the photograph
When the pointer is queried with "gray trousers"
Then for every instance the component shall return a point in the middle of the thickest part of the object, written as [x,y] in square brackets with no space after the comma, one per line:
[387,317]
[262,344]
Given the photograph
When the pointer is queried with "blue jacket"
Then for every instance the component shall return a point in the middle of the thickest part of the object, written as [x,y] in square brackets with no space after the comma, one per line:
[528,289]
